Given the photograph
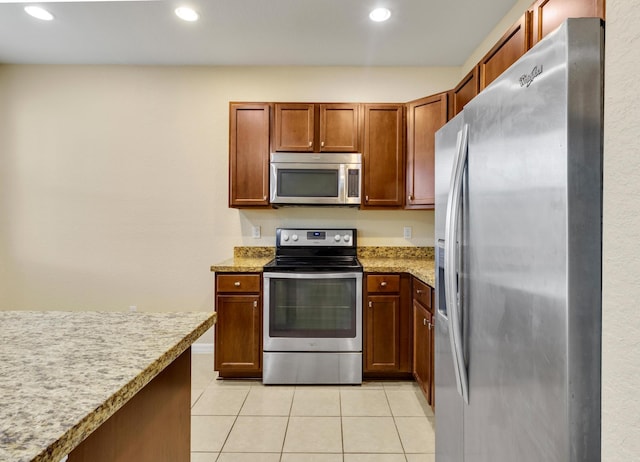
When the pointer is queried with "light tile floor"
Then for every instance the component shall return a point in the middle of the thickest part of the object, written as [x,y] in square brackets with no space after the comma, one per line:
[238,421]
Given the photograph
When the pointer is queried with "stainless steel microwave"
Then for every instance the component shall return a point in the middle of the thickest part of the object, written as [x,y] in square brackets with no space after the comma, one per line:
[315,178]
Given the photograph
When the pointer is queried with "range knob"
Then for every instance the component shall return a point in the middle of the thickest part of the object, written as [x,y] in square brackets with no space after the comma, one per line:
[337,237]
[346,238]
[294,237]
[285,237]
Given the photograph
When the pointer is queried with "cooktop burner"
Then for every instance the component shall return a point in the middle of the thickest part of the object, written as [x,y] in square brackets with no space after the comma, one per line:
[315,250]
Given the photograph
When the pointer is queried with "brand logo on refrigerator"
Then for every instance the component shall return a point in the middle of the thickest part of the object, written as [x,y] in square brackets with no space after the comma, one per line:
[527,79]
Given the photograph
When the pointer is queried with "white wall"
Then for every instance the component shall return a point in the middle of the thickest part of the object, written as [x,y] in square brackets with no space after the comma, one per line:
[621,267]
[113,179]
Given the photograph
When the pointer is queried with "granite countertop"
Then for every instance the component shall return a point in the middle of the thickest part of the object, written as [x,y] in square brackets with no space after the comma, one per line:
[417,261]
[62,374]
[246,260]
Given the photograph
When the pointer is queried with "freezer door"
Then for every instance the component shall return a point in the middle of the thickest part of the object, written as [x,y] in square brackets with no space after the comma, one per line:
[449,441]
[533,255]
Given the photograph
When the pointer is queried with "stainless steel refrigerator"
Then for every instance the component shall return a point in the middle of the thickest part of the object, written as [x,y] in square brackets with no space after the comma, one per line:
[518,258]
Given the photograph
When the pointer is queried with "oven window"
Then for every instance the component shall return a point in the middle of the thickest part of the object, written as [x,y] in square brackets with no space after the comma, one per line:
[312,308]
[307,183]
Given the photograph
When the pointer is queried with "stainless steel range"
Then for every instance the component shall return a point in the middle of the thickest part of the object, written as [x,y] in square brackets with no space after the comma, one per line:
[313,309]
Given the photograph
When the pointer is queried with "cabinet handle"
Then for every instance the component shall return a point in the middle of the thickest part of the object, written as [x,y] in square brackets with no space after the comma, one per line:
[429,324]
[410,197]
[370,304]
[419,291]
[264,198]
[310,143]
[237,283]
[255,304]
[383,284]
[322,144]
[424,321]
[366,198]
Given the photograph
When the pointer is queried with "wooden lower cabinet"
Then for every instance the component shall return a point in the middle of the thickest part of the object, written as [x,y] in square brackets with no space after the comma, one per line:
[238,330]
[387,326]
[423,339]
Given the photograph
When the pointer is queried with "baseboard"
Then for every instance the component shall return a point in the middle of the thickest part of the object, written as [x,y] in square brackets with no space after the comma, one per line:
[201,348]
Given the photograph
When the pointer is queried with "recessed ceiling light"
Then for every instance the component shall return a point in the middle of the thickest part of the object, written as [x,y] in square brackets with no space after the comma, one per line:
[186,14]
[38,12]
[380,14]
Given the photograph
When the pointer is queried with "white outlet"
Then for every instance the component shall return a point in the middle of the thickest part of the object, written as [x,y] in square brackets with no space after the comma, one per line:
[407,232]
[133,308]
[255,232]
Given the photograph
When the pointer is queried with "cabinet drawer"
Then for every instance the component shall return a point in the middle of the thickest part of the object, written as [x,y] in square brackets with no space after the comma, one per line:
[422,293]
[383,283]
[238,283]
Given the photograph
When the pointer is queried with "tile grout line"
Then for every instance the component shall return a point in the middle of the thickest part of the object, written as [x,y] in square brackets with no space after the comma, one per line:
[235,420]
[286,430]
[395,424]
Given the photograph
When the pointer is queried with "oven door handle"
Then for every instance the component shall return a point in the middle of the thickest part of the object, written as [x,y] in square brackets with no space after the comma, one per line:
[313,275]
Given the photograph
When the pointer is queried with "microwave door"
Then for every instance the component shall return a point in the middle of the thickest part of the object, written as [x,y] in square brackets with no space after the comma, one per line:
[307,184]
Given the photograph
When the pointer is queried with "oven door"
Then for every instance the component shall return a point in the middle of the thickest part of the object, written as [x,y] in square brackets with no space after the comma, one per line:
[313,311]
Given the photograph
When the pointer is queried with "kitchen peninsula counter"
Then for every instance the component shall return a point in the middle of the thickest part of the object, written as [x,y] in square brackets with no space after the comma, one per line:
[64,375]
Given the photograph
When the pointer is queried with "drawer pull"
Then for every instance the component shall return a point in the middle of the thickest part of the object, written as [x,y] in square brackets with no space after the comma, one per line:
[370,304]
[424,321]
[418,291]
[383,284]
[255,304]
[237,283]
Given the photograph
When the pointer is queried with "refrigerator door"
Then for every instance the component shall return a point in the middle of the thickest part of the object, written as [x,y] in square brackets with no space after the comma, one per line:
[533,256]
[449,414]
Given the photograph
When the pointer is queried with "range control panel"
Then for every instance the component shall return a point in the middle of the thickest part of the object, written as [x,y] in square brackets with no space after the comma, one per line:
[292,237]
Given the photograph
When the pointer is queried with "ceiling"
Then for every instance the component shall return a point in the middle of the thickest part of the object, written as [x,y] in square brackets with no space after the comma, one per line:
[249,32]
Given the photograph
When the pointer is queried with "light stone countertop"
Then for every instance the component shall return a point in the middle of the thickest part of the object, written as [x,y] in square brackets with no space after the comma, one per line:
[417,261]
[62,374]
[422,268]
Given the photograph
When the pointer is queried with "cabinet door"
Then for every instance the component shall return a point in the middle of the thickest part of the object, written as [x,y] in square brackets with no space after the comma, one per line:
[382,333]
[383,155]
[238,342]
[547,15]
[425,116]
[248,155]
[466,90]
[509,48]
[294,127]
[422,348]
[339,127]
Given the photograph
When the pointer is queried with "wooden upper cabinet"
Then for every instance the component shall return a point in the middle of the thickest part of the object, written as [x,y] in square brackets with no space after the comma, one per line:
[466,90]
[513,44]
[547,15]
[383,155]
[424,117]
[249,154]
[294,127]
[326,127]
[339,127]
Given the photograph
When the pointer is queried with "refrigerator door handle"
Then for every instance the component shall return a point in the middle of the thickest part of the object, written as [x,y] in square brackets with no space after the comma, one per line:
[450,260]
